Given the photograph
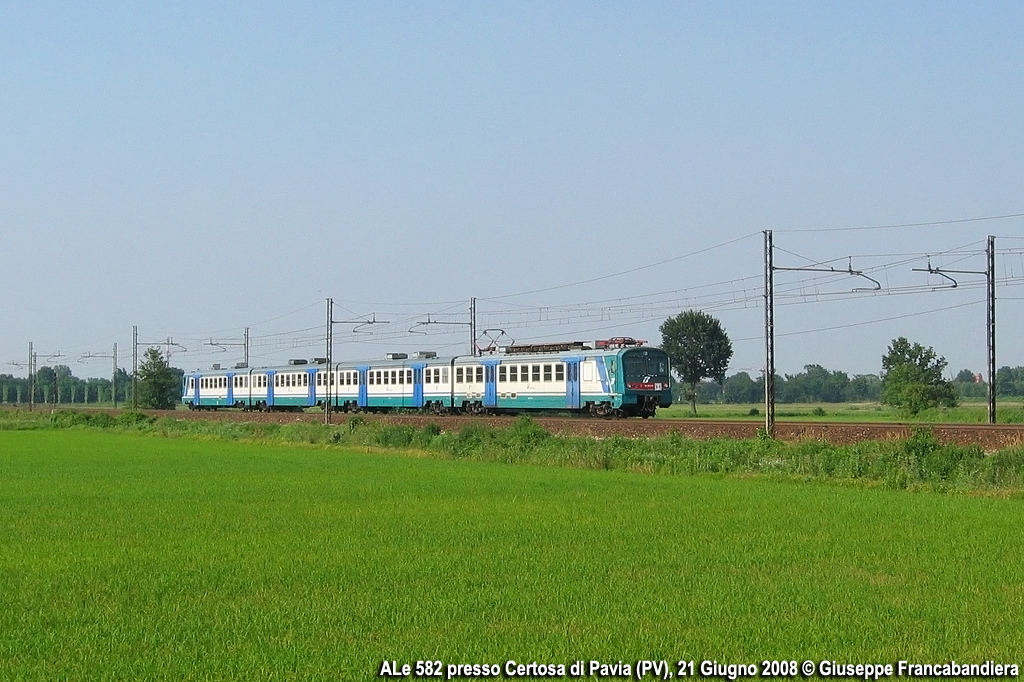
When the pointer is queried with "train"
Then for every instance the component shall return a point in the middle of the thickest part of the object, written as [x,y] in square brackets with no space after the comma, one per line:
[618,377]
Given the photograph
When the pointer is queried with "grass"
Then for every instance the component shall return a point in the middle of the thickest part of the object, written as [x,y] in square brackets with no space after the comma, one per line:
[133,557]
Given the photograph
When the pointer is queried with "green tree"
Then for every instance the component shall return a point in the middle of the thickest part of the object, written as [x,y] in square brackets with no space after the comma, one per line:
[698,347]
[159,383]
[912,378]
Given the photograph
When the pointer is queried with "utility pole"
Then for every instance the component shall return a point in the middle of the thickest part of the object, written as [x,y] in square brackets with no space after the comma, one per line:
[769,336]
[990,313]
[135,366]
[31,377]
[472,326]
[113,372]
[168,342]
[330,358]
[990,270]
[33,366]
[224,344]
[769,320]
[330,351]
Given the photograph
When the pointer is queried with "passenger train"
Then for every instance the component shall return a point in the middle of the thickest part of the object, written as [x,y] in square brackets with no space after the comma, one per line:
[614,377]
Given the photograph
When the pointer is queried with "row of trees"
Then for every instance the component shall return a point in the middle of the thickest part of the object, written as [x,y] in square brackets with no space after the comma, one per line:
[159,385]
[912,376]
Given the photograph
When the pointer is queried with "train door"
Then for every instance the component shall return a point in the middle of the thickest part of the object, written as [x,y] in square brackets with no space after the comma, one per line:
[231,390]
[417,385]
[572,383]
[490,383]
[195,397]
[311,394]
[270,388]
[362,400]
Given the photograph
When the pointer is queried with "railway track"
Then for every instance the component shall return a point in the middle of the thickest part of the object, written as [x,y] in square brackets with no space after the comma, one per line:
[989,437]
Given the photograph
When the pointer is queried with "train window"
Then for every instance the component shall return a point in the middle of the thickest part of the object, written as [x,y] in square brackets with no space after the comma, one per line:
[480,374]
[387,378]
[502,373]
[535,376]
[408,376]
[444,375]
[458,375]
[401,377]
[560,372]
[513,373]
[547,372]
[371,378]
[305,379]
[428,375]
[524,372]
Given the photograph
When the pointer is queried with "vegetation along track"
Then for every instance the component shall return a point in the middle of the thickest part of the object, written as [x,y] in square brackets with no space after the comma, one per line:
[989,437]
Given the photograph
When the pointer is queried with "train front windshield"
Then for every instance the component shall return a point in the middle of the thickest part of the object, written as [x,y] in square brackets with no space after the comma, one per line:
[645,366]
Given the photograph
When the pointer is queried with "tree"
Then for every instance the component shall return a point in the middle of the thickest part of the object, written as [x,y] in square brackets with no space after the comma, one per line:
[698,347]
[740,388]
[159,383]
[912,378]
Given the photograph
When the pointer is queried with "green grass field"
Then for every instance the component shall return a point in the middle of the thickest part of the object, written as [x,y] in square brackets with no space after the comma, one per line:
[137,557]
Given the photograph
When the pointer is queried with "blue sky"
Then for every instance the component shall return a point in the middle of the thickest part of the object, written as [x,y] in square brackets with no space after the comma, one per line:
[194,169]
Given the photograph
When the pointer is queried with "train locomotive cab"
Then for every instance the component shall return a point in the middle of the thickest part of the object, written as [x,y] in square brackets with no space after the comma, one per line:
[646,381]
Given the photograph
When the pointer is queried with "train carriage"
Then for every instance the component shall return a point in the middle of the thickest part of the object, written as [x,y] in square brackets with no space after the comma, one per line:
[613,377]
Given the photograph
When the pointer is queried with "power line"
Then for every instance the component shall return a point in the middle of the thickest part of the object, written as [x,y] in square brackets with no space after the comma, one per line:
[955,221]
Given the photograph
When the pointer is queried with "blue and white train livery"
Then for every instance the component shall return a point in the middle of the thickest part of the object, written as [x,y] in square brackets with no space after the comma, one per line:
[616,377]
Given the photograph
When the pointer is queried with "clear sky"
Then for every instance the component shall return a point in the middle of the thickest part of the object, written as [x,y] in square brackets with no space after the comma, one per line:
[197,168]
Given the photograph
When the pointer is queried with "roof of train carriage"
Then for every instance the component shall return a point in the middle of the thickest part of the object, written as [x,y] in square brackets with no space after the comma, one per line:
[511,358]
